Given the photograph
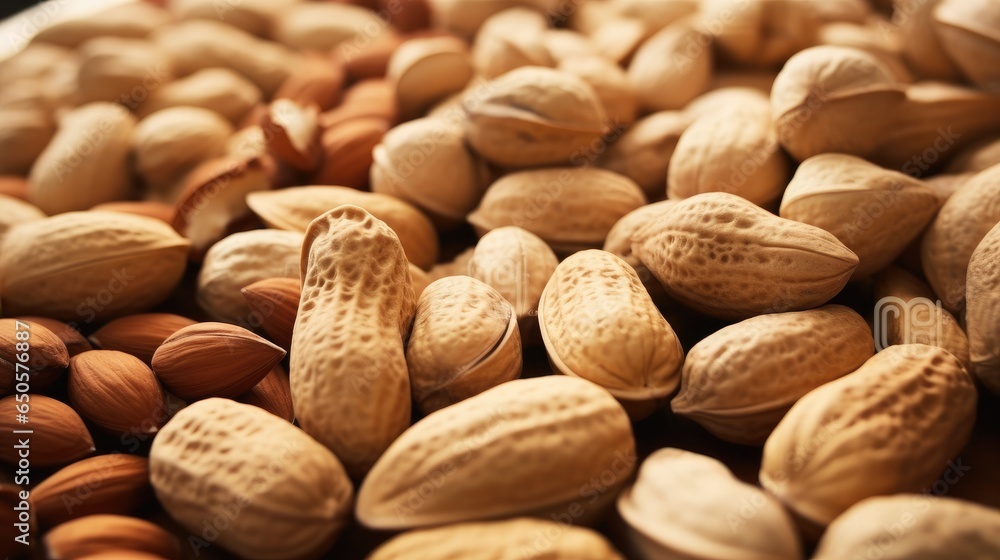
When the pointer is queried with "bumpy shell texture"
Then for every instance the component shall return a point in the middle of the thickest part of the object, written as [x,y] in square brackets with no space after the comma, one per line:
[982,316]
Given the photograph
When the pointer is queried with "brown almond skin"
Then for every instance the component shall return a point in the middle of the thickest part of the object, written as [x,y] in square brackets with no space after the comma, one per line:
[273,394]
[347,151]
[71,337]
[726,257]
[139,335]
[116,391]
[117,483]
[97,533]
[318,80]
[47,355]
[10,497]
[276,302]
[59,436]
[214,360]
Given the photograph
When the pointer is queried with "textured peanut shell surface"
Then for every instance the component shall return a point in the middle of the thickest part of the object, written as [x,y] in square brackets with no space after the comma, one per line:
[982,317]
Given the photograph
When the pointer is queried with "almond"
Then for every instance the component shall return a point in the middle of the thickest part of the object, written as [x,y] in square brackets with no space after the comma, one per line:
[115,484]
[982,316]
[599,323]
[739,382]
[273,394]
[116,391]
[536,538]
[448,365]
[909,410]
[724,256]
[275,303]
[139,335]
[295,207]
[370,98]
[98,533]
[239,260]
[213,360]
[90,266]
[292,132]
[686,505]
[347,151]
[349,379]
[45,356]
[254,463]
[71,337]
[552,437]
[318,81]
[58,435]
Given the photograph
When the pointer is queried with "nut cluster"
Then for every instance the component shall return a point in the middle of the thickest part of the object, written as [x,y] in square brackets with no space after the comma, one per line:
[480,279]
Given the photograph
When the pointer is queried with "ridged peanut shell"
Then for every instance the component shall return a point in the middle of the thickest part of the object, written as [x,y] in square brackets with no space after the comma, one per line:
[90,265]
[920,526]
[350,384]
[449,364]
[292,494]
[139,335]
[500,540]
[739,381]
[686,505]
[569,208]
[599,323]
[116,483]
[549,437]
[982,314]
[666,71]
[116,391]
[875,212]
[724,256]
[908,410]
[619,239]
[295,207]
[956,231]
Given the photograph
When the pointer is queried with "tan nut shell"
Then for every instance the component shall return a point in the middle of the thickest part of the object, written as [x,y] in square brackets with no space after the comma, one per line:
[982,314]
[426,70]
[722,255]
[599,323]
[52,266]
[464,340]
[908,411]
[534,116]
[217,89]
[875,212]
[512,428]
[740,381]
[292,494]
[642,153]
[686,505]
[510,39]
[569,208]
[349,379]
[170,142]
[667,72]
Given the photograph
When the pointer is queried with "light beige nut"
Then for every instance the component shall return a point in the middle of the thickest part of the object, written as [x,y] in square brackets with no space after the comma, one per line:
[149,208]
[117,483]
[566,43]
[569,208]
[724,256]
[534,116]
[643,152]
[734,150]
[116,391]
[619,240]
[610,83]
[907,312]
[327,26]
[294,208]
[95,534]
[120,69]
[518,264]
[220,90]
[239,260]
[875,212]
[686,505]
[427,163]
[512,428]
[913,526]
[15,211]
[218,455]
[213,360]
[982,314]
[500,539]
[975,158]
[739,381]
[908,410]
[956,231]
[135,20]
[291,131]
[169,143]
[348,372]
[426,70]
[762,32]
[968,34]
[58,437]
[449,364]
[139,335]
[87,266]
[24,136]
[511,39]
[86,162]
[671,68]
[599,323]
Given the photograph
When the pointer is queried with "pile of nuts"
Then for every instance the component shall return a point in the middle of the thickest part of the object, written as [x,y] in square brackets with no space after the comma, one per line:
[581,279]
